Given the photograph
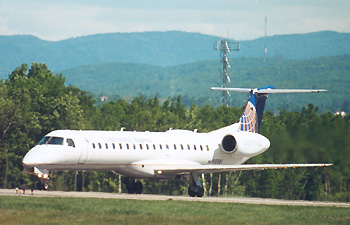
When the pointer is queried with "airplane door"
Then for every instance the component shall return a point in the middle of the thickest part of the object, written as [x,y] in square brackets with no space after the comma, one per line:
[84,143]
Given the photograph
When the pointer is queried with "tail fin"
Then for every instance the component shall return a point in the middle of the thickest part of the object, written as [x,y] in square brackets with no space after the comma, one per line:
[250,120]
[252,115]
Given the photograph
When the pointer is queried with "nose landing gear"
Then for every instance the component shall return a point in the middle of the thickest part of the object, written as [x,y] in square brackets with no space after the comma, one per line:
[42,185]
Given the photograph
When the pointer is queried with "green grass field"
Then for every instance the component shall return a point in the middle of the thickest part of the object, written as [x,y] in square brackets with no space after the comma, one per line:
[44,210]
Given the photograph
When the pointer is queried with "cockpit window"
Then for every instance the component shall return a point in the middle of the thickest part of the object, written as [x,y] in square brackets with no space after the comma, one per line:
[70,142]
[51,141]
[55,141]
[44,140]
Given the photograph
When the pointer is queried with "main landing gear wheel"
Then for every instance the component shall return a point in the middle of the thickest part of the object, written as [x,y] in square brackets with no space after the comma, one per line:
[191,192]
[138,187]
[200,192]
[134,187]
[194,191]
[196,188]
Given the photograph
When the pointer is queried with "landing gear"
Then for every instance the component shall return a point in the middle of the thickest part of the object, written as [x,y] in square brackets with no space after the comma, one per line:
[196,187]
[134,187]
[138,187]
[43,175]
[42,185]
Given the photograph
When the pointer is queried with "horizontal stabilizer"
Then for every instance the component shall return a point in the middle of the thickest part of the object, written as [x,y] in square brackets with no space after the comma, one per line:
[173,169]
[268,90]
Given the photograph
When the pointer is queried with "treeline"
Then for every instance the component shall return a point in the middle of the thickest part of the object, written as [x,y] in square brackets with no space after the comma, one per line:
[34,101]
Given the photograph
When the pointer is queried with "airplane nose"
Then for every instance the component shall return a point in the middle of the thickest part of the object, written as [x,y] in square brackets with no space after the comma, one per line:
[29,161]
[35,156]
[30,158]
[46,155]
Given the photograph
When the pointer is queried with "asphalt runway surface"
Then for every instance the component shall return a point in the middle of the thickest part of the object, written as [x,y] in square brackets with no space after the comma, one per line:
[242,200]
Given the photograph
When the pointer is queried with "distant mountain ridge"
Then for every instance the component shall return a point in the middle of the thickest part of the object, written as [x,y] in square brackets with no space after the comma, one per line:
[193,80]
[158,48]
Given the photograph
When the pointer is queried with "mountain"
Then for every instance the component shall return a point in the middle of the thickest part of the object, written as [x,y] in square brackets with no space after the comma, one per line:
[193,80]
[158,48]
[299,46]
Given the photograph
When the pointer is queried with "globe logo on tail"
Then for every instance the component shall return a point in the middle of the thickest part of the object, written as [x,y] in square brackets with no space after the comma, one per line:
[248,121]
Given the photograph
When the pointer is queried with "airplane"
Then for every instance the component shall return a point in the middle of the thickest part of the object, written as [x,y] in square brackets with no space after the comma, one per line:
[161,155]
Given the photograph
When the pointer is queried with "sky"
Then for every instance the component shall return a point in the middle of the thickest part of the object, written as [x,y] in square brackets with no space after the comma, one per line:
[237,19]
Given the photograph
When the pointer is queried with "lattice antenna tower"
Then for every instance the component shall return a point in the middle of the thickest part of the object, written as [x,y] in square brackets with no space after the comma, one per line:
[225,46]
[265,47]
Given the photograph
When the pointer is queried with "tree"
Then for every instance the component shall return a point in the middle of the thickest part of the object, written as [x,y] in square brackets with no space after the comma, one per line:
[33,102]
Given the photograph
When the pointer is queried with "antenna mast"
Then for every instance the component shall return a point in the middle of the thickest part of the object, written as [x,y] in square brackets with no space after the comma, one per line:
[265,49]
[225,46]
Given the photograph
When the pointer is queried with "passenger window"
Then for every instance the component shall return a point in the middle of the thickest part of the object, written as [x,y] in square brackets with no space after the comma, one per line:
[70,142]
[195,148]
[188,146]
[207,148]
[113,145]
[106,146]
[93,145]
[147,146]
[99,145]
[167,146]
[120,146]
[154,146]
[141,146]
[175,146]
[127,146]
[182,147]
[160,146]
[201,147]
[134,146]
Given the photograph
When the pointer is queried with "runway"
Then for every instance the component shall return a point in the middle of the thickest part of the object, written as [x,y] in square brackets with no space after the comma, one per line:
[149,197]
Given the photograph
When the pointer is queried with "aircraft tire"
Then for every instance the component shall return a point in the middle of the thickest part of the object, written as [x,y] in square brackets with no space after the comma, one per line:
[130,185]
[138,187]
[191,192]
[39,186]
[200,192]
[131,190]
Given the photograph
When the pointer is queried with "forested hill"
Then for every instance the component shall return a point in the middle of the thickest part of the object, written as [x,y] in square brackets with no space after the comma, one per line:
[158,48]
[193,81]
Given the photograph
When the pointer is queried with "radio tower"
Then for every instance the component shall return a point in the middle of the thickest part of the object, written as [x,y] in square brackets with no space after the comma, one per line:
[265,49]
[225,46]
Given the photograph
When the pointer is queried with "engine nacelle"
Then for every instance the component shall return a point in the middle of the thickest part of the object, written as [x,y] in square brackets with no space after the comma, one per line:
[244,144]
[229,144]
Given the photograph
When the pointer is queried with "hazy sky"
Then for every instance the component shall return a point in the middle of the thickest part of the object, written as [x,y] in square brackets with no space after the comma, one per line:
[57,20]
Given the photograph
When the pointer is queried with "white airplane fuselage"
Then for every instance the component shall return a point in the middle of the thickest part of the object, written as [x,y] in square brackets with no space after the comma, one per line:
[137,154]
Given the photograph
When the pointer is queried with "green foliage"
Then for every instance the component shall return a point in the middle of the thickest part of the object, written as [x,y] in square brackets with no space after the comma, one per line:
[33,102]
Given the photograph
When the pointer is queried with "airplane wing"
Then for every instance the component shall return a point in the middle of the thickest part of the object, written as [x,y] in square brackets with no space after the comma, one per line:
[268,90]
[173,169]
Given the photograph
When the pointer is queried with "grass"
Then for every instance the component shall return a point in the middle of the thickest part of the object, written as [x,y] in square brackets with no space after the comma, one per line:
[43,210]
